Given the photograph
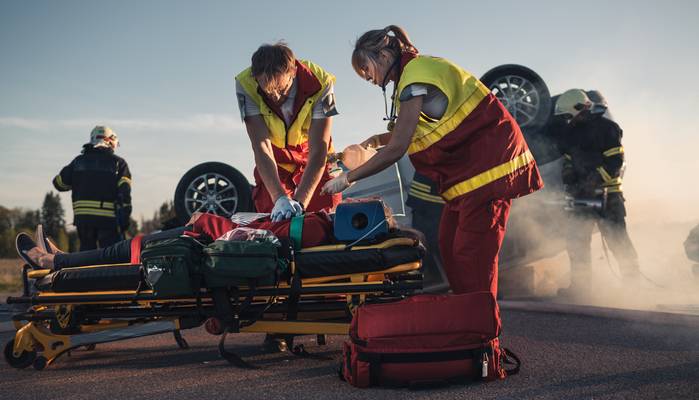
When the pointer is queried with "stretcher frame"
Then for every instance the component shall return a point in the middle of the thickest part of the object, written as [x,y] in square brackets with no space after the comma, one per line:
[55,323]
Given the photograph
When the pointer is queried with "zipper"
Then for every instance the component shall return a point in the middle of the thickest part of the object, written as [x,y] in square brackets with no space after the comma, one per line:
[229,255]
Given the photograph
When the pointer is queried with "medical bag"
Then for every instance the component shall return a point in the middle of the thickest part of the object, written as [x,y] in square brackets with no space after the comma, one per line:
[426,340]
[236,263]
[172,266]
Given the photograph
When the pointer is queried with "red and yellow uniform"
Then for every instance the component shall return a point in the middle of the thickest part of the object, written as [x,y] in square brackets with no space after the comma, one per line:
[290,141]
[477,156]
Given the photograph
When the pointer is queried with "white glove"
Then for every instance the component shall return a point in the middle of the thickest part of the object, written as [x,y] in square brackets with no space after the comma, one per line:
[336,185]
[285,208]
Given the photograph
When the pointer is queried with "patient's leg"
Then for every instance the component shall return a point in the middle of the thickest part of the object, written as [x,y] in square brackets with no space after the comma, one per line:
[117,253]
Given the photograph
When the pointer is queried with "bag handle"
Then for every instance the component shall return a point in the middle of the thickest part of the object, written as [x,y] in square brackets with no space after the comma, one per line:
[506,359]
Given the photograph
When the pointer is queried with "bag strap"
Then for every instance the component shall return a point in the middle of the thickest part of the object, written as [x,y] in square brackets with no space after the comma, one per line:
[506,359]
[296,231]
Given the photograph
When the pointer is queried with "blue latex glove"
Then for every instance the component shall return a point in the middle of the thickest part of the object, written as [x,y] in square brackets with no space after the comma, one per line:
[285,208]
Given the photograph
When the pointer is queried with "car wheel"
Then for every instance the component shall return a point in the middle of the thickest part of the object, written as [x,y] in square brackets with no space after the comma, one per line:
[212,187]
[522,92]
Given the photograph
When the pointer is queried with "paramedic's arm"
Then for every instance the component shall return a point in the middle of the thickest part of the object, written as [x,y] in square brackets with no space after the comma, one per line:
[264,158]
[64,180]
[398,145]
[378,140]
[318,143]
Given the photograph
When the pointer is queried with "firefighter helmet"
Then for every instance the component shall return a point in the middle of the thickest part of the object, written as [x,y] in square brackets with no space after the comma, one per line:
[104,136]
[571,103]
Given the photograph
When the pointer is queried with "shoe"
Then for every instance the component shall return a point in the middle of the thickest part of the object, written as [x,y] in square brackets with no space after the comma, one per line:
[41,240]
[24,243]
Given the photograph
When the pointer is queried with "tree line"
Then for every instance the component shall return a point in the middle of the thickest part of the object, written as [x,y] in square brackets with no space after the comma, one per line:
[52,216]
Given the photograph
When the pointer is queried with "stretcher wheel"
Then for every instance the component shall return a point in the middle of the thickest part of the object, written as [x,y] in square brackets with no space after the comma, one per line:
[40,363]
[23,361]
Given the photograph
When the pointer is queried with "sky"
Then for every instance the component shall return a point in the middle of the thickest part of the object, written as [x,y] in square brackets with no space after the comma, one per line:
[160,73]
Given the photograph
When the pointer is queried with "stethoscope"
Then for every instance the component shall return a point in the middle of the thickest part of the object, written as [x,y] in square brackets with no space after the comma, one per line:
[392,117]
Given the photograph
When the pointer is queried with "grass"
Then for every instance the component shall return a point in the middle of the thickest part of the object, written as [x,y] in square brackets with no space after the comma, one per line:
[10,275]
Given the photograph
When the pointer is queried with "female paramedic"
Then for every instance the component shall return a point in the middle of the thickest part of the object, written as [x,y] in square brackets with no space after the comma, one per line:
[287,105]
[457,134]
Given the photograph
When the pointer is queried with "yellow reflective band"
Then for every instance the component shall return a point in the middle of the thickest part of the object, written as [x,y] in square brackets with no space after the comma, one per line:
[614,189]
[107,205]
[567,156]
[614,151]
[426,140]
[421,186]
[92,211]
[488,176]
[124,179]
[60,184]
[426,197]
[608,180]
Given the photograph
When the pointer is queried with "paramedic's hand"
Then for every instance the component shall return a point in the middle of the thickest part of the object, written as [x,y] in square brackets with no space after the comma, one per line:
[374,141]
[336,185]
[285,208]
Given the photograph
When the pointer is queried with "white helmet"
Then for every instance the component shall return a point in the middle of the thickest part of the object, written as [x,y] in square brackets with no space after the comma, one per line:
[104,136]
[571,103]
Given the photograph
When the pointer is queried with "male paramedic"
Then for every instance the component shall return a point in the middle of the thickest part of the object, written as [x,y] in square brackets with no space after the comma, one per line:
[287,105]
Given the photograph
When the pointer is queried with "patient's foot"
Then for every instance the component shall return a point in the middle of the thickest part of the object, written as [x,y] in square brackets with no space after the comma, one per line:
[53,247]
[41,258]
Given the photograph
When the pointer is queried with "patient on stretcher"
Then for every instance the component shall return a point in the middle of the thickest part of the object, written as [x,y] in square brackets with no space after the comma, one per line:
[317,230]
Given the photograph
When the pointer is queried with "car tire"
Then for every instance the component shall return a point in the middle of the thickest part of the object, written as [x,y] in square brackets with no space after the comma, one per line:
[212,187]
[522,92]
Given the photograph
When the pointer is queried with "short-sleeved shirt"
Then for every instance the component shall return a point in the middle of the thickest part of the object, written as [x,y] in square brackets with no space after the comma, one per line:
[324,107]
[434,103]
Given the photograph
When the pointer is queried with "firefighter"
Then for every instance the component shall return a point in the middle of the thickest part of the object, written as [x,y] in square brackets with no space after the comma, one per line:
[100,182]
[592,169]
[458,135]
[287,105]
[427,207]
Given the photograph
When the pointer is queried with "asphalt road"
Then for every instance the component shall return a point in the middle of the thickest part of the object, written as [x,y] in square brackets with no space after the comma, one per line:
[564,357]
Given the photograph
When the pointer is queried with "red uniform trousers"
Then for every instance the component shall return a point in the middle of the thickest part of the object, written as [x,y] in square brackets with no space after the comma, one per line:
[469,242]
[319,202]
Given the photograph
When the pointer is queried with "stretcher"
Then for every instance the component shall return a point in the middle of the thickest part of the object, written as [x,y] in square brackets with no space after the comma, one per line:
[84,306]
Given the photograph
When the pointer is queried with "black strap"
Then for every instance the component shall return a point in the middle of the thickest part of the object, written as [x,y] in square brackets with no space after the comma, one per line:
[231,357]
[506,359]
[398,358]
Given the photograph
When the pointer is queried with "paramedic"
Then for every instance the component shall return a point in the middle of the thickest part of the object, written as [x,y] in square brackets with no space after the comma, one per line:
[287,105]
[458,135]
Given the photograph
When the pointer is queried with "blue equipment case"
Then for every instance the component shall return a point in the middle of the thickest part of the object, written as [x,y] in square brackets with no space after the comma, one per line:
[360,220]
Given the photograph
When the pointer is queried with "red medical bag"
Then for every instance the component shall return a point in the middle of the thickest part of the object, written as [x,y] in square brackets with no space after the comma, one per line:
[426,340]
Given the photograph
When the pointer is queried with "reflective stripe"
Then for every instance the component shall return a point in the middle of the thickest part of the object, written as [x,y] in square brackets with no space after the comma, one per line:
[488,176]
[106,205]
[567,156]
[124,179]
[608,180]
[421,186]
[614,189]
[60,184]
[426,197]
[93,211]
[614,151]
[426,140]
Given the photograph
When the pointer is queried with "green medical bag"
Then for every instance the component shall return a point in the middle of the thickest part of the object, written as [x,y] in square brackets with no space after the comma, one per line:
[241,263]
[172,266]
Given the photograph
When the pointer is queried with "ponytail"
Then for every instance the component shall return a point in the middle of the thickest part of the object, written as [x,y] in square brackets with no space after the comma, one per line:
[370,45]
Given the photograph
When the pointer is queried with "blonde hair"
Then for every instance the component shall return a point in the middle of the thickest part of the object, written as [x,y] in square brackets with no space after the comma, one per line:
[370,45]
